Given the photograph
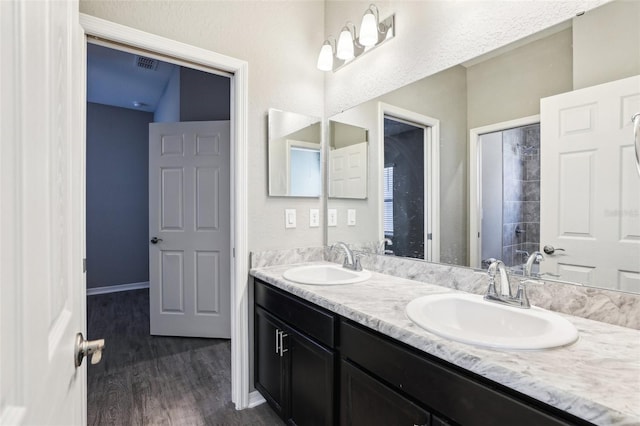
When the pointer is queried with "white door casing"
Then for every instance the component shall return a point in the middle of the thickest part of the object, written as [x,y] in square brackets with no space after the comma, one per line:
[475,180]
[590,188]
[431,175]
[42,296]
[189,199]
[174,51]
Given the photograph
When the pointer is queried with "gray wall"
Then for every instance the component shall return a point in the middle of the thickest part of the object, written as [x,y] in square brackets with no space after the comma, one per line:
[168,109]
[117,195]
[204,96]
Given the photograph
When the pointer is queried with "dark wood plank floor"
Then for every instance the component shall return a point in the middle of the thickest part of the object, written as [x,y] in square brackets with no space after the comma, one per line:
[149,380]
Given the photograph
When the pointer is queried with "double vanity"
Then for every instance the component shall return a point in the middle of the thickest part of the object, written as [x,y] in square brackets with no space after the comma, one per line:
[338,346]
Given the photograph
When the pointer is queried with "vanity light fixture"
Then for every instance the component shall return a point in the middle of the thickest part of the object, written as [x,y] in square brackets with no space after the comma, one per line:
[369,28]
[325,59]
[345,50]
[350,45]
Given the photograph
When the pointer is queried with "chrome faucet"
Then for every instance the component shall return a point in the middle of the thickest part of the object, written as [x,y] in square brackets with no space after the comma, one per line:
[383,246]
[535,257]
[351,260]
[497,266]
[520,300]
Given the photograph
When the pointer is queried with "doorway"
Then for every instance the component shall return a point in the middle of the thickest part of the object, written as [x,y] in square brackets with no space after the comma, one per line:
[162,48]
[505,192]
[409,183]
[404,188]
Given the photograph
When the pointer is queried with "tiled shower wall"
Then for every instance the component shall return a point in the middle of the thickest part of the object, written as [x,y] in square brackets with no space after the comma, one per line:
[521,193]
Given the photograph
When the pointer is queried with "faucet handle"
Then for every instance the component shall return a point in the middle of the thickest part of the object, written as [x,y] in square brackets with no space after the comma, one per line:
[521,295]
[357,265]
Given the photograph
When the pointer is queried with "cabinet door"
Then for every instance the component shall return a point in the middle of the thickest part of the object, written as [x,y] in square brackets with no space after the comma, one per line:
[269,364]
[365,401]
[311,381]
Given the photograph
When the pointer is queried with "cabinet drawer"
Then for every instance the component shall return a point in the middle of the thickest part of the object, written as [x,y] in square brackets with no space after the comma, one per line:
[312,320]
[433,383]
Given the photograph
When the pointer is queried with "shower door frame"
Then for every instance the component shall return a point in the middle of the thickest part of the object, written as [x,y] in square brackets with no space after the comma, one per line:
[475,181]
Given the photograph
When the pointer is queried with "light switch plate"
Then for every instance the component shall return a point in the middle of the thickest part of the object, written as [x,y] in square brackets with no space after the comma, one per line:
[332,217]
[351,217]
[290,218]
[314,218]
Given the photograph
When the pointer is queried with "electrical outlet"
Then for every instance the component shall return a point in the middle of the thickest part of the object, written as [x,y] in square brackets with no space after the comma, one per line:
[314,218]
[332,217]
[351,217]
[290,218]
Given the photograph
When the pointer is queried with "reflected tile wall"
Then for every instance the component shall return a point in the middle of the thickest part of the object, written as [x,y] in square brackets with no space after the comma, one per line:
[521,193]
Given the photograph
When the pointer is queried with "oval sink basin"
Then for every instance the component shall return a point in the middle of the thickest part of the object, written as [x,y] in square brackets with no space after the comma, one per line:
[470,319]
[325,275]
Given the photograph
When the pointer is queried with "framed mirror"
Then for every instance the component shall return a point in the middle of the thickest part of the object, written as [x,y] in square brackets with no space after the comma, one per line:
[549,192]
[294,154]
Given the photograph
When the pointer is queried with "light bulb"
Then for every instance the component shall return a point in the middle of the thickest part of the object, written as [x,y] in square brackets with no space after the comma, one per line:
[345,45]
[368,29]
[325,58]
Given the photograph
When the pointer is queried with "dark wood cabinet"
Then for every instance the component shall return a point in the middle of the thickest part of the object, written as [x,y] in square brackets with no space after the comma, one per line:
[270,365]
[293,370]
[317,368]
[311,381]
[366,401]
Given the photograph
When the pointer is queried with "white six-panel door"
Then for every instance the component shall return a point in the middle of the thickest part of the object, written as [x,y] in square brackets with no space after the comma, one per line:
[42,296]
[348,171]
[590,188]
[189,214]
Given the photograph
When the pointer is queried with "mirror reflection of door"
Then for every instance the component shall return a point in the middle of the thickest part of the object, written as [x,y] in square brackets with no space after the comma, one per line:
[510,194]
[404,188]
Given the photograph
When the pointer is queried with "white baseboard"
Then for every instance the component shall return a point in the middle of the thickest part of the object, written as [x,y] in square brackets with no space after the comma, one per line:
[115,288]
[255,399]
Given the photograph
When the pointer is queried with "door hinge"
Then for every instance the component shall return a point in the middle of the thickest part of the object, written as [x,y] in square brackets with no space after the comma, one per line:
[429,236]
[233,252]
[84,266]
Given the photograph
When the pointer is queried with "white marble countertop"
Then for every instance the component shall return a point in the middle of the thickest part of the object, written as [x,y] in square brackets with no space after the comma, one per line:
[597,378]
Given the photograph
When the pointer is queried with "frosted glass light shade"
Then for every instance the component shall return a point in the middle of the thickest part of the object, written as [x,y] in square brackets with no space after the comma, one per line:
[368,30]
[325,58]
[345,45]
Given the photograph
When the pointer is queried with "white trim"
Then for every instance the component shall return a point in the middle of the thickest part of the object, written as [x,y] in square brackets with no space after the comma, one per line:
[432,174]
[475,190]
[255,399]
[239,212]
[117,288]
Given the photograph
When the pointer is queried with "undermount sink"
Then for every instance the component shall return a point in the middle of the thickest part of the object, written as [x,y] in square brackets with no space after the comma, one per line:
[325,275]
[470,319]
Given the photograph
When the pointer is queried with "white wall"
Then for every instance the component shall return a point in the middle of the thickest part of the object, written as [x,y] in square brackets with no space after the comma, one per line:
[280,41]
[430,37]
[509,86]
[594,35]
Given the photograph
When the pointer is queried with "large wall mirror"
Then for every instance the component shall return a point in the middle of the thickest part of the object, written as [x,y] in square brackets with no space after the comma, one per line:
[525,148]
[294,154]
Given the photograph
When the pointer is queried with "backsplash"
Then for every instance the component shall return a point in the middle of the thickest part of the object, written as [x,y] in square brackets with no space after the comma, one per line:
[607,306]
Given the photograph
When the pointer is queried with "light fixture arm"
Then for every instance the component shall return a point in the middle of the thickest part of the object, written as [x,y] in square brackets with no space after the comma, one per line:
[352,29]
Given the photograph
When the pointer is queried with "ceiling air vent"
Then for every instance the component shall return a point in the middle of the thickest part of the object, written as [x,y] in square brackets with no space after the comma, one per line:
[146,63]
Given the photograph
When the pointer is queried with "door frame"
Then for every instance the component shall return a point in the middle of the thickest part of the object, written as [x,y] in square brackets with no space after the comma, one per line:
[431,175]
[475,189]
[129,37]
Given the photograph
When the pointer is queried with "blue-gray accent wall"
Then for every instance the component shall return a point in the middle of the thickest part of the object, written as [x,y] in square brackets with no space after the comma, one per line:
[117,195]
